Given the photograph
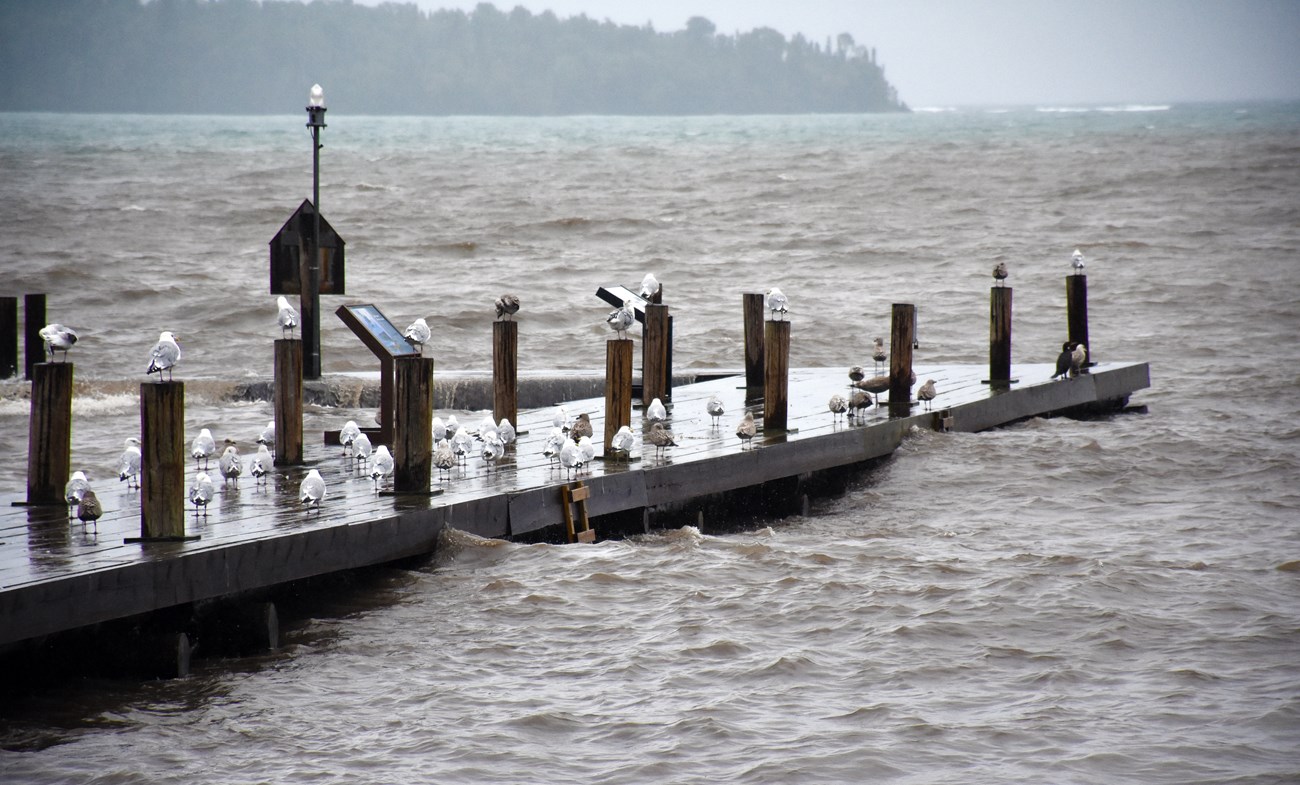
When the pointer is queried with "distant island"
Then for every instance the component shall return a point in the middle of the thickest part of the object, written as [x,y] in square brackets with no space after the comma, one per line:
[249,57]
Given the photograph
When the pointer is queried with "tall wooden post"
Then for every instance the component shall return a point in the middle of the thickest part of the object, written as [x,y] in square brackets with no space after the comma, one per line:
[1076,306]
[654,354]
[618,387]
[902,329]
[413,431]
[1000,335]
[49,435]
[288,402]
[505,371]
[162,460]
[776,376]
[8,337]
[754,362]
[33,343]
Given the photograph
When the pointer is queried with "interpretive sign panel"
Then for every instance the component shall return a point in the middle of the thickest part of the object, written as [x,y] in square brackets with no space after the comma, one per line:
[375,331]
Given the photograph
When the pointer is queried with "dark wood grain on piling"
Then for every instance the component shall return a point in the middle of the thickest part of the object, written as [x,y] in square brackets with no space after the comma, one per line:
[8,337]
[162,459]
[902,332]
[49,449]
[755,364]
[413,430]
[776,375]
[505,371]
[654,354]
[33,321]
[618,387]
[1000,335]
[288,402]
[1076,307]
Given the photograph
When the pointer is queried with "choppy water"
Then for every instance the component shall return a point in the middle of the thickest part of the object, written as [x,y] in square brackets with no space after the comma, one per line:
[1105,601]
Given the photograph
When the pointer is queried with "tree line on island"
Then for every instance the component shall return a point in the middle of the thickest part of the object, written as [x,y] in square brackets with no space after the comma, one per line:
[250,57]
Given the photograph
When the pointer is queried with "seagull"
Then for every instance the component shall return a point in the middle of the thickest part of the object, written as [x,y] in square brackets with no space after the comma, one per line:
[493,449]
[382,467]
[876,384]
[507,306]
[622,442]
[715,409]
[89,509]
[878,353]
[554,443]
[203,446]
[621,318]
[1000,273]
[443,458]
[1063,360]
[506,431]
[57,337]
[267,436]
[361,447]
[777,303]
[838,406]
[570,457]
[348,435]
[561,419]
[656,412]
[650,288]
[453,426]
[1077,358]
[581,427]
[75,489]
[461,443]
[311,491]
[746,430]
[856,374]
[201,492]
[439,430]
[1077,261]
[858,401]
[588,449]
[128,463]
[231,465]
[261,463]
[418,333]
[660,438]
[287,317]
[927,393]
[163,356]
[487,426]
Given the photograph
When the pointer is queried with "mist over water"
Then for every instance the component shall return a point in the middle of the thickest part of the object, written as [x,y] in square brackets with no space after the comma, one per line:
[1056,601]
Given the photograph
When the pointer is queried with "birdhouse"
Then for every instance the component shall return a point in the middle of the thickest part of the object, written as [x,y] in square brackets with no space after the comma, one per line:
[286,253]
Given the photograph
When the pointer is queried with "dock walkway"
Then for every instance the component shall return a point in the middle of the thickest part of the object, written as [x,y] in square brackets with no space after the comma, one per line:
[56,576]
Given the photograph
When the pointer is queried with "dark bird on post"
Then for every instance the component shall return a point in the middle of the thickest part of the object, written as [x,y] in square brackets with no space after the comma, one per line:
[1063,360]
[507,306]
[58,338]
[1000,273]
[926,394]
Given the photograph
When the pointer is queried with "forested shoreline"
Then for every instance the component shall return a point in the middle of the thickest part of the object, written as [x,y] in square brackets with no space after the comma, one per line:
[250,57]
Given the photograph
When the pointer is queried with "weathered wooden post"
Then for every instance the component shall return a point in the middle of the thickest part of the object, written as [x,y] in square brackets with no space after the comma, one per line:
[776,376]
[33,343]
[654,354]
[413,431]
[8,337]
[618,387]
[162,461]
[1000,335]
[288,402]
[755,364]
[505,371]
[902,330]
[1076,306]
[49,444]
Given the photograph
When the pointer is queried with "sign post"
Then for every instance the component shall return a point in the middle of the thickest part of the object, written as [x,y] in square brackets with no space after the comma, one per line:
[387,343]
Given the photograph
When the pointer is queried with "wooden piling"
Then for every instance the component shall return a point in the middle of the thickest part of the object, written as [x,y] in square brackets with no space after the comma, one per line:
[413,431]
[776,376]
[755,367]
[288,402]
[902,331]
[162,461]
[49,445]
[1000,335]
[33,322]
[618,387]
[654,354]
[1076,306]
[505,371]
[8,337]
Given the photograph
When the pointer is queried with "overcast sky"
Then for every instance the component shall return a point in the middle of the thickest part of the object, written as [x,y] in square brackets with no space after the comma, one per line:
[980,52]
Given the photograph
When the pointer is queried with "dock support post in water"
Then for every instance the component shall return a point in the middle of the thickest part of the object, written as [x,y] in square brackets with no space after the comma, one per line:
[776,377]
[8,337]
[162,462]
[618,387]
[755,368]
[288,402]
[413,431]
[654,354]
[902,331]
[49,445]
[505,371]
[1076,305]
[33,343]
[1000,336]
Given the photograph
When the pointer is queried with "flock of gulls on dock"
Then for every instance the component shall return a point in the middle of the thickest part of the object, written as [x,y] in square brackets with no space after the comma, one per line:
[568,446]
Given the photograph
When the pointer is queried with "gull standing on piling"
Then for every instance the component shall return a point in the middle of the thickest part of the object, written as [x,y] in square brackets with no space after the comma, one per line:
[649,287]
[418,334]
[838,405]
[231,465]
[999,274]
[715,409]
[656,412]
[202,447]
[382,467]
[57,337]
[311,491]
[348,435]
[128,463]
[777,304]
[287,316]
[746,430]
[621,318]
[163,356]
[261,463]
[201,493]
[660,438]
[878,353]
[926,394]
[89,509]
[1077,261]
[507,306]
[622,442]
[74,490]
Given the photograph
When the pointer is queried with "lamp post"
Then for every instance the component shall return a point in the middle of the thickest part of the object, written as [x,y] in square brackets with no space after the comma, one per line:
[310,295]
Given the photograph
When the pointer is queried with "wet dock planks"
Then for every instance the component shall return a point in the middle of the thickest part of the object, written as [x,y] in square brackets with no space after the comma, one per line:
[56,575]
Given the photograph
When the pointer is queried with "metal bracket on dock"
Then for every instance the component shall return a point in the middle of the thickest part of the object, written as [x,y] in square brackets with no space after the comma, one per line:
[578,494]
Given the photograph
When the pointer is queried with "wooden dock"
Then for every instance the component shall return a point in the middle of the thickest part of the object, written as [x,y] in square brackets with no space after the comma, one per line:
[56,576]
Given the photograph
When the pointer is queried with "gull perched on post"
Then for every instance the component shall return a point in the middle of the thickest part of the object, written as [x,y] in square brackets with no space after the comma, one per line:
[1000,274]
[649,287]
[287,317]
[777,304]
[57,337]
[507,306]
[621,318]
[1077,261]
[418,333]
[164,355]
